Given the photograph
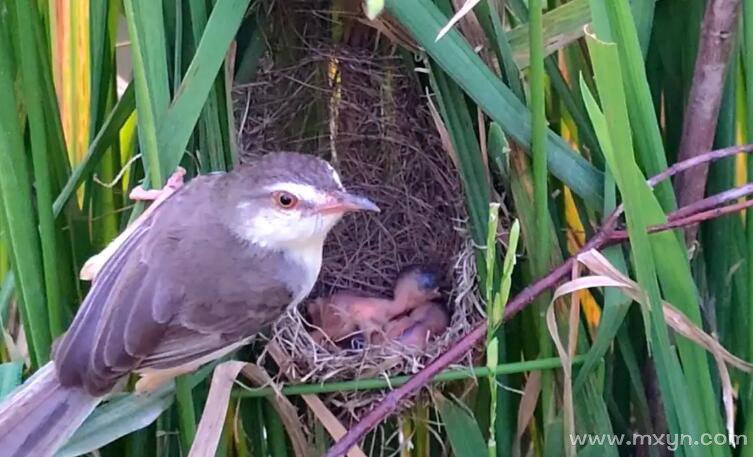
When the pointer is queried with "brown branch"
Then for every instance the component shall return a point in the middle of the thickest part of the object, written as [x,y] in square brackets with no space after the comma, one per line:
[712,201]
[691,218]
[515,305]
[701,113]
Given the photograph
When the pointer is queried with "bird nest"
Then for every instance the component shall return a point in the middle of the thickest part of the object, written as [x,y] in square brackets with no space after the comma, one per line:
[374,125]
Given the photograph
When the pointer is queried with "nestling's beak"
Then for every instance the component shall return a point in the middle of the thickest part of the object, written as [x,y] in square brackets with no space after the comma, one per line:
[343,202]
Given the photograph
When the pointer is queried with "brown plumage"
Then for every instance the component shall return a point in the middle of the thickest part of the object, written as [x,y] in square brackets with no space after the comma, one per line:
[175,295]
[217,261]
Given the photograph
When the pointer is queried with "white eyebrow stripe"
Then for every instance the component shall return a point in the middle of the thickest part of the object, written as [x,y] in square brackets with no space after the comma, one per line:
[302,191]
[335,176]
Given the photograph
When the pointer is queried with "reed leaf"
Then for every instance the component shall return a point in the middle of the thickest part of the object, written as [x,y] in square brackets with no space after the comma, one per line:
[453,54]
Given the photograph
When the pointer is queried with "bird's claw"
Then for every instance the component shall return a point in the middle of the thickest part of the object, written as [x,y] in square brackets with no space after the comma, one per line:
[174,182]
[95,263]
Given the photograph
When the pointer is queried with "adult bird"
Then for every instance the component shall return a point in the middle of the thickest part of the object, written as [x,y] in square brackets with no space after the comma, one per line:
[220,259]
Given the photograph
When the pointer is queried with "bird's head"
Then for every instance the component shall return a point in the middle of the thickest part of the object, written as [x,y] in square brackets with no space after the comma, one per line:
[417,284]
[289,199]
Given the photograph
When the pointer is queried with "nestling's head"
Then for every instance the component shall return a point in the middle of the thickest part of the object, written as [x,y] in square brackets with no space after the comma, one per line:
[417,284]
[290,198]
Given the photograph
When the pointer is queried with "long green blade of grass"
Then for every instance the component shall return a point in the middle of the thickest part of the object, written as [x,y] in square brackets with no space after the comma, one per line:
[538,136]
[32,84]
[19,221]
[661,255]
[146,30]
[455,56]
[462,429]
[648,140]
[182,116]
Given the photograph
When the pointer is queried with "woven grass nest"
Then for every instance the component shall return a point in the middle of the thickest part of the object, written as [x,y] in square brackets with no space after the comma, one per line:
[379,134]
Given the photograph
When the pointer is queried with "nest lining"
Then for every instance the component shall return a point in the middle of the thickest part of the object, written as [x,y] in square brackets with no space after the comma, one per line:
[375,127]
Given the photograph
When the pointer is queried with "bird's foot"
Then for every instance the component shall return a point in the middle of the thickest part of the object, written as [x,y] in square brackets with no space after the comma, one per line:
[174,182]
[95,263]
[152,380]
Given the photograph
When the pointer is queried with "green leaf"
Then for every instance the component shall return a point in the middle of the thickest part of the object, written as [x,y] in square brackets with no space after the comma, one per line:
[184,112]
[453,54]
[561,26]
[150,76]
[462,430]
[10,377]
[660,257]
[647,137]
[19,223]
[121,415]
[38,122]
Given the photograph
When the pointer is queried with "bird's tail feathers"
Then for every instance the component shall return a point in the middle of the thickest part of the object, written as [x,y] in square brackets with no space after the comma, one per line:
[41,415]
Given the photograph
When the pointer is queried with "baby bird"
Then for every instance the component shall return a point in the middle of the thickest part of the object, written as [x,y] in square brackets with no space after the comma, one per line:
[345,314]
[414,329]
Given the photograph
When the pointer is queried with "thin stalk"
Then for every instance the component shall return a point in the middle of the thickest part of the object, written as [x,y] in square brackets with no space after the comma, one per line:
[396,381]
[541,256]
[538,137]
[704,100]
[149,99]
[494,318]
[747,61]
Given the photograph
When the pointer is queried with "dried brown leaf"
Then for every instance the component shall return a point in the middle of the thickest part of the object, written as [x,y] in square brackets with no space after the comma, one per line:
[335,428]
[609,276]
[527,408]
[212,420]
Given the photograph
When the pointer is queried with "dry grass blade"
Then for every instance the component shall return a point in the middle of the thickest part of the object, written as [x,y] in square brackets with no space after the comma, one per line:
[527,408]
[608,276]
[566,355]
[444,135]
[465,9]
[215,410]
[335,428]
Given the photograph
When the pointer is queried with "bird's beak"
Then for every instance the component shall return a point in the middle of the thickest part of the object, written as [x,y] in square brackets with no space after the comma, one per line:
[343,202]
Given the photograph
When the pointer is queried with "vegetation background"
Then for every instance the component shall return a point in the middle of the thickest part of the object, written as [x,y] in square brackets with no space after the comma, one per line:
[564,124]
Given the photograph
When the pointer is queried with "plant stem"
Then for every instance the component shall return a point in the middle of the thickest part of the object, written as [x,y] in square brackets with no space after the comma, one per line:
[382,383]
[186,413]
[704,100]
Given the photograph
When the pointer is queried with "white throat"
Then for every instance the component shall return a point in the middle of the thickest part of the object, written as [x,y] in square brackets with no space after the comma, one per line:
[308,256]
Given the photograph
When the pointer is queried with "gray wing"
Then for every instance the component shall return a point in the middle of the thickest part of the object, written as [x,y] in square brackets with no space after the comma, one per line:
[180,287]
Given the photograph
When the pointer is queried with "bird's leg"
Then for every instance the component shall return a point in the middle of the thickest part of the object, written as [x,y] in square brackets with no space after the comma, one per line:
[150,381]
[94,264]
[174,182]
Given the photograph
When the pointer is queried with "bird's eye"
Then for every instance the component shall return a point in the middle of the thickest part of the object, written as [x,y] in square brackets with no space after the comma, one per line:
[285,200]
